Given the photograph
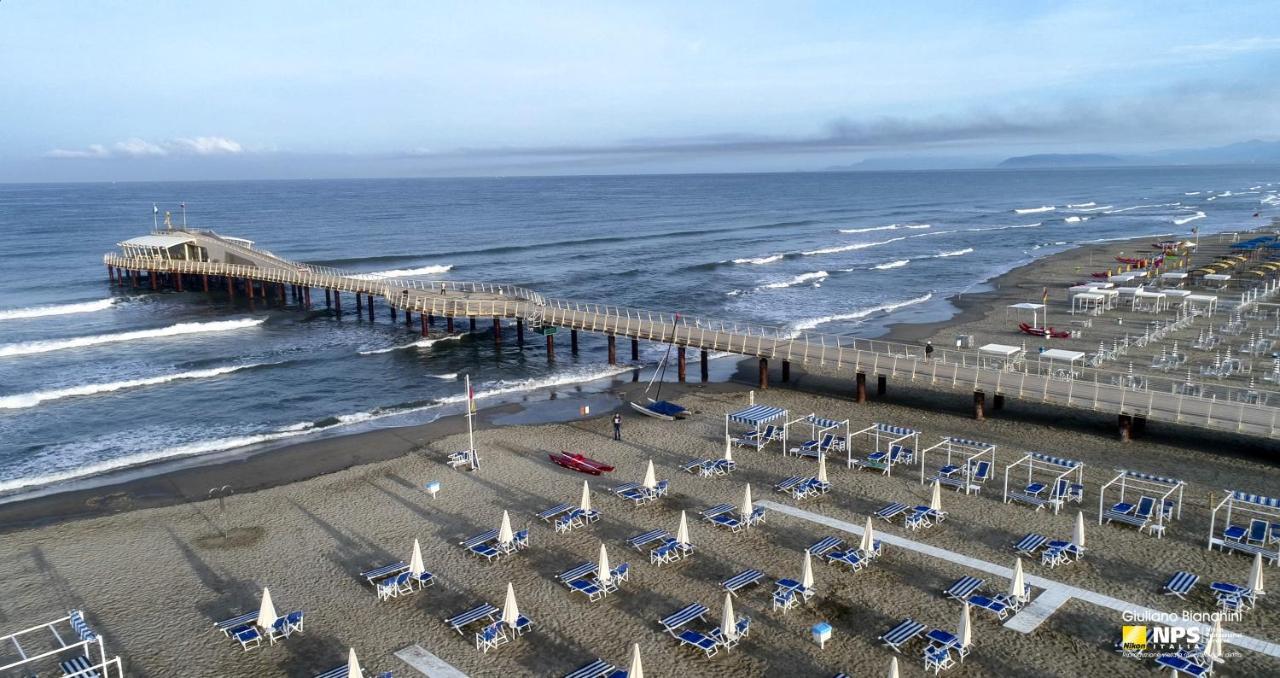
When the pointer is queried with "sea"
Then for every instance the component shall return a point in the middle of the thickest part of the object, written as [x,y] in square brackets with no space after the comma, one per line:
[95,379]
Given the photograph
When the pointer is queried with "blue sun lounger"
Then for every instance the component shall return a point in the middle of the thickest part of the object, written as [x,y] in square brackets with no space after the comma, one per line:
[785,599]
[486,551]
[899,635]
[596,669]
[853,559]
[700,467]
[79,667]
[383,572]
[937,658]
[726,520]
[708,514]
[742,580]
[1180,584]
[639,495]
[963,588]
[481,538]
[475,614]
[1027,497]
[672,622]
[756,517]
[395,585]
[725,466]
[700,641]
[1030,544]
[491,636]
[997,607]
[825,545]
[669,552]
[554,511]
[575,573]
[891,511]
[1181,665]
[248,637]
[625,487]
[229,626]
[587,587]
[795,486]
[639,541]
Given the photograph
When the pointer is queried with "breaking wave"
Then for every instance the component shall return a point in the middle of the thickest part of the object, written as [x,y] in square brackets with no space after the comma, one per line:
[814,278]
[1187,220]
[850,248]
[405,272]
[60,309]
[1035,210]
[811,323]
[891,264]
[759,260]
[31,347]
[24,400]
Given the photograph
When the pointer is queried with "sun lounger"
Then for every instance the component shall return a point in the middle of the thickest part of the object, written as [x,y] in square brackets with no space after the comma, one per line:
[756,517]
[1257,532]
[981,472]
[1238,593]
[724,466]
[1124,513]
[639,495]
[998,607]
[1066,491]
[875,462]
[814,486]
[899,635]
[660,490]
[621,572]
[702,467]
[1030,544]
[742,580]
[596,669]
[963,587]
[891,511]
[948,640]
[1180,584]
[672,622]
[937,659]
[923,516]
[491,636]
[1072,551]
[702,642]
[1027,498]
[669,552]
[570,520]
[521,539]
[639,541]
[785,599]
[229,626]
[625,487]
[461,458]
[554,511]
[1035,489]
[486,551]
[853,559]
[790,485]
[821,547]
[587,587]
[248,637]
[394,585]
[523,625]
[743,627]
[461,621]
[708,514]
[726,520]
[1181,665]
[481,538]
[576,573]
[79,667]
[423,579]
[379,573]
[877,548]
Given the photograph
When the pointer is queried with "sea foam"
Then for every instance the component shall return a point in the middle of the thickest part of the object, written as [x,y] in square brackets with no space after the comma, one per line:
[60,309]
[24,400]
[32,347]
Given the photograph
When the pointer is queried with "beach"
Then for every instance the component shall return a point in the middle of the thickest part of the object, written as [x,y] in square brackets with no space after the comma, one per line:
[149,563]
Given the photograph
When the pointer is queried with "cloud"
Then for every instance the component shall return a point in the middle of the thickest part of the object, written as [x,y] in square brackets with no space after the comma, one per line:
[141,148]
[1229,47]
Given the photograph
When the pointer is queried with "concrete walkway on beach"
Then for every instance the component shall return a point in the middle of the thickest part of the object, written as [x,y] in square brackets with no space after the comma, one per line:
[1055,593]
[428,664]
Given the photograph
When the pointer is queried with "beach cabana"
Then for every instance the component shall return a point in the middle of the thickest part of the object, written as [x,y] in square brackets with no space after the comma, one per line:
[969,463]
[1249,525]
[1206,304]
[890,445]
[1090,302]
[1021,309]
[1148,301]
[1050,481]
[760,419]
[827,435]
[72,643]
[999,356]
[1144,501]
[1061,362]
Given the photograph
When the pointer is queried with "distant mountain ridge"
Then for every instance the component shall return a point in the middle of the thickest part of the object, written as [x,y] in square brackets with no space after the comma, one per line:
[1252,152]
[1063,160]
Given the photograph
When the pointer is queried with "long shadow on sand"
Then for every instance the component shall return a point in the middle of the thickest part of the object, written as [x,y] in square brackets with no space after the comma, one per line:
[232,596]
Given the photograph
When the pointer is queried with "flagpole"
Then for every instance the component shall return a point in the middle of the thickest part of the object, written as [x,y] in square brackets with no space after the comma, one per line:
[471,436]
[155,217]
[184,216]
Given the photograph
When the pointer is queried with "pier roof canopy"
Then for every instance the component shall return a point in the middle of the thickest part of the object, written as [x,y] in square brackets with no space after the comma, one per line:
[161,241]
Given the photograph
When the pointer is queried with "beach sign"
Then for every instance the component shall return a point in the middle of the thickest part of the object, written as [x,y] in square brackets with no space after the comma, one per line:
[821,634]
[432,488]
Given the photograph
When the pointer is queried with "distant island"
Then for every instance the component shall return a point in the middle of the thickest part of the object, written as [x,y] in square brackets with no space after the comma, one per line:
[1063,160]
[1252,152]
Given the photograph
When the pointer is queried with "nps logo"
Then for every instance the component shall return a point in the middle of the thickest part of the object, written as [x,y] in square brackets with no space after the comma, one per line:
[1149,637]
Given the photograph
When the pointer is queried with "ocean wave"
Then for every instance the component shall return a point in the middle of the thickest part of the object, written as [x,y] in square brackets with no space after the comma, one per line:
[1192,193]
[452,376]
[811,323]
[850,248]
[25,400]
[1099,208]
[405,272]
[1083,204]
[421,343]
[759,260]
[814,277]
[1075,220]
[1187,220]
[1035,210]
[60,309]
[1143,207]
[954,253]
[891,264]
[890,227]
[1004,228]
[32,347]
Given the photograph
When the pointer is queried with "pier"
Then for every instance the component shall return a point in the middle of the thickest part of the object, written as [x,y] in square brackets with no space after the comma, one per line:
[201,260]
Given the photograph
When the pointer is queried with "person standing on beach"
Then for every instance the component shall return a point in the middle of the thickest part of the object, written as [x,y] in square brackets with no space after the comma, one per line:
[617,426]
[928,350]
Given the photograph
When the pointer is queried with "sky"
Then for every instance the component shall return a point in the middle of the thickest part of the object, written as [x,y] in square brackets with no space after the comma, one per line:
[140,90]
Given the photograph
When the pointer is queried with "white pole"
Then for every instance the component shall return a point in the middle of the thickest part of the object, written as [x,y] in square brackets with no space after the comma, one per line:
[155,217]
[471,436]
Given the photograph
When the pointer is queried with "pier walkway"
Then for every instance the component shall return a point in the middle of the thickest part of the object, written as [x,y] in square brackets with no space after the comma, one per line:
[196,258]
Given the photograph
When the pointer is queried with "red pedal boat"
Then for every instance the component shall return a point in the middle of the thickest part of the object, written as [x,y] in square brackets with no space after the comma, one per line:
[580,463]
[1043,331]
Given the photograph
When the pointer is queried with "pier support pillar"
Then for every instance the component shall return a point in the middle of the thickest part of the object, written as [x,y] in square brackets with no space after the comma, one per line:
[282,299]
[111,275]
[860,393]
[680,364]
[430,320]
[520,332]
[135,280]
[613,350]
[764,374]
[426,327]
[979,405]
[573,341]
[551,348]
[497,331]
[393,312]
[1139,427]
[152,276]
[786,371]
[702,361]
[1126,428]
[248,286]
[370,307]
[306,298]
[231,289]
[472,320]
[328,298]
[359,305]
[177,281]
[997,402]
[448,324]
[204,281]
[337,302]
[408,318]
[882,384]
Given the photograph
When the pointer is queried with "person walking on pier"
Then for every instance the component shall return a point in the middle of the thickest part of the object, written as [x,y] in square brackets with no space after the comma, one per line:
[617,426]
[928,350]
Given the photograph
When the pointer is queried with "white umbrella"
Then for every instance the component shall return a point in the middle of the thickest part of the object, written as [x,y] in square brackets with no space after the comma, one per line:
[585,505]
[636,671]
[935,502]
[1018,584]
[603,569]
[1213,646]
[510,612]
[353,665]
[728,450]
[965,633]
[682,535]
[650,481]
[267,611]
[822,467]
[728,623]
[504,530]
[1255,575]
[868,538]
[893,668]
[415,561]
[806,579]
[1077,537]
[747,506]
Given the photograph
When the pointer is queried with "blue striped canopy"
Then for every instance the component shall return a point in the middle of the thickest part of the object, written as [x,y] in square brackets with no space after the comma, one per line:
[1155,479]
[1056,461]
[1257,499]
[970,443]
[758,414]
[821,422]
[896,430]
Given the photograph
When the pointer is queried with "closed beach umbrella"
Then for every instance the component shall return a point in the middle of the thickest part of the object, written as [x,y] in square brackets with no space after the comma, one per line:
[806,579]
[1213,646]
[728,456]
[504,530]
[1255,575]
[965,633]
[415,561]
[267,611]
[893,668]
[682,535]
[510,611]
[650,481]
[603,568]
[585,505]
[1077,537]
[636,671]
[868,538]
[822,468]
[1018,584]
[935,502]
[747,506]
[353,665]
[728,623]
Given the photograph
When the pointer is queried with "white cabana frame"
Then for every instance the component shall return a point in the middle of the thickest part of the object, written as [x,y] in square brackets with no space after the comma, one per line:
[1255,507]
[1088,303]
[41,635]
[757,417]
[1054,469]
[884,438]
[820,427]
[1166,491]
[972,452]
[1037,310]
